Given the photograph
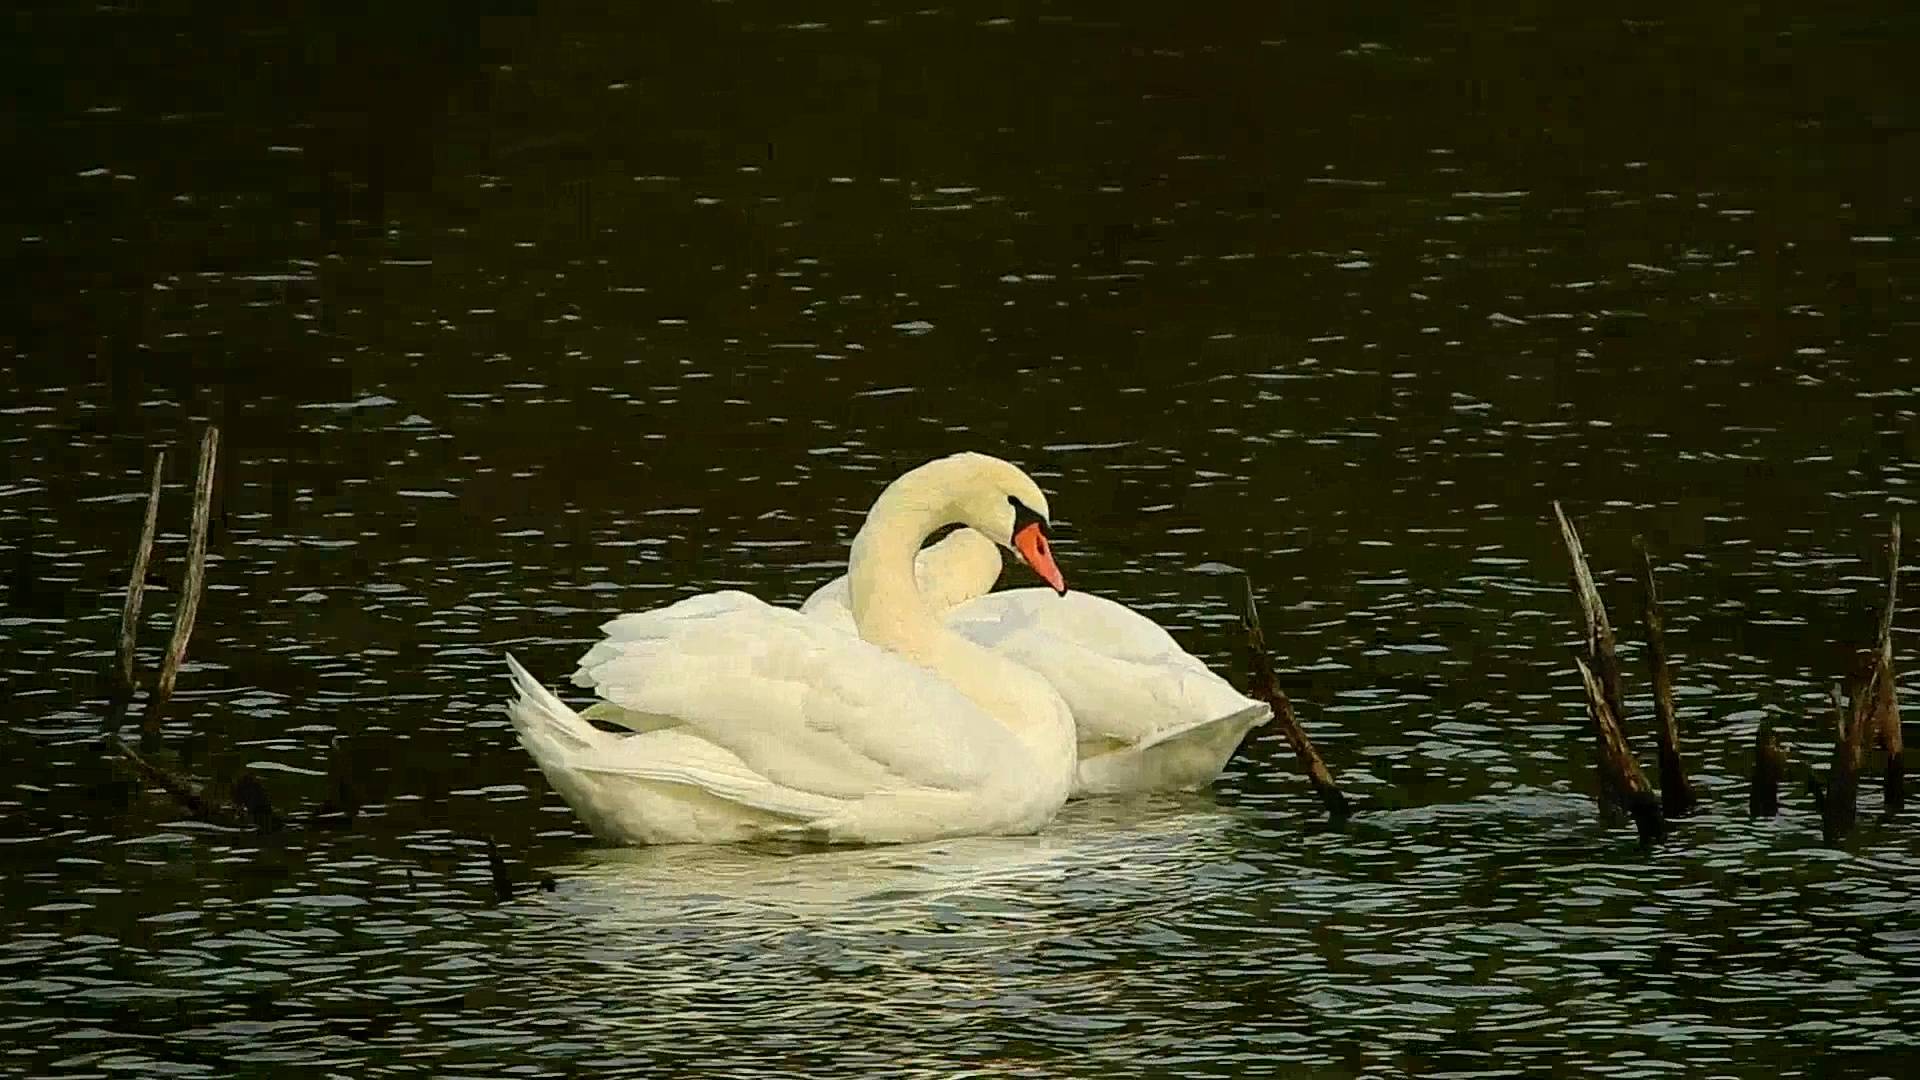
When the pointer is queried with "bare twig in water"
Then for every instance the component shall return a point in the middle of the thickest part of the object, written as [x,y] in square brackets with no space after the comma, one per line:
[1602,660]
[248,796]
[343,795]
[1677,798]
[124,680]
[497,866]
[1617,763]
[191,589]
[184,790]
[1769,766]
[246,803]
[1265,685]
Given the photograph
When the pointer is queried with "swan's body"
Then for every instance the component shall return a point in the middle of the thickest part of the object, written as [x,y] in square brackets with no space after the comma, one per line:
[1150,716]
[747,721]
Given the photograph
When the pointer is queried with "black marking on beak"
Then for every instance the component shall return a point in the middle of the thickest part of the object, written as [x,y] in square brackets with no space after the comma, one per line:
[1024,516]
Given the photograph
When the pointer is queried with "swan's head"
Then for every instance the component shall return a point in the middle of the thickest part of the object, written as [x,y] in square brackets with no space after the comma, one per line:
[1031,542]
[997,500]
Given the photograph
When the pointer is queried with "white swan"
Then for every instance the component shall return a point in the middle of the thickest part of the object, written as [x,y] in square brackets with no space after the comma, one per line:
[1150,715]
[749,721]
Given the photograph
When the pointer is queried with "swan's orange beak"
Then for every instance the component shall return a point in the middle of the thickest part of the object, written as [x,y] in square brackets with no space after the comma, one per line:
[1030,540]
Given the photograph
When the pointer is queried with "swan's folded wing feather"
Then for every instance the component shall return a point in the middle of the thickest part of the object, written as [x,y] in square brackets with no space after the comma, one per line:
[657,623]
[805,705]
[675,757]
[1124,676]
[1096,623]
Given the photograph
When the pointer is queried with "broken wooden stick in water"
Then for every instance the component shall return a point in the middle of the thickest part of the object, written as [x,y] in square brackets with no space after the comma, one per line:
[1769,766]
[190,590]
[1265,685]
[125,678]
[1602,662]
[1676,791]
[1617,763]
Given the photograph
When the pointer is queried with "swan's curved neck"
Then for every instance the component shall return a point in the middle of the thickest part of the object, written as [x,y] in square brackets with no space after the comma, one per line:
[887,605]
[890,612]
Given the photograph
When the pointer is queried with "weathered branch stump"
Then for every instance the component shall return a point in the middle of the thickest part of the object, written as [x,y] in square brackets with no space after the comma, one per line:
[1836,798]
[1602,660]
[1886,704]
[1617,763]
[1769,768]
[1870,714]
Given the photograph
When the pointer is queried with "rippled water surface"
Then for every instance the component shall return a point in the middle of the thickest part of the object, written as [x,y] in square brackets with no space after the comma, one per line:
[511,324]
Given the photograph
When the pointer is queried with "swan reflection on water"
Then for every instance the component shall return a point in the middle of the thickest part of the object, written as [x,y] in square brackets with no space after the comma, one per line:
[952,946]
[1113,847]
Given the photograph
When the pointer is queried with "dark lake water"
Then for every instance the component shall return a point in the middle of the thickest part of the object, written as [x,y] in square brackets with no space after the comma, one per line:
[512,323]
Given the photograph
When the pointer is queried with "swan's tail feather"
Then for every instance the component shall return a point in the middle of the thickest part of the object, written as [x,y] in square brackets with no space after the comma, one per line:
[544,722]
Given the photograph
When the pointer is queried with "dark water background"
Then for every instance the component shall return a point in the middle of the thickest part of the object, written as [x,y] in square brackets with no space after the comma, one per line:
[512,323]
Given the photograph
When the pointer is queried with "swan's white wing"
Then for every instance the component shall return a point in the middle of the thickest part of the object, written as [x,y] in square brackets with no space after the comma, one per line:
[1126,679]
[797,701]
[1101,625]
